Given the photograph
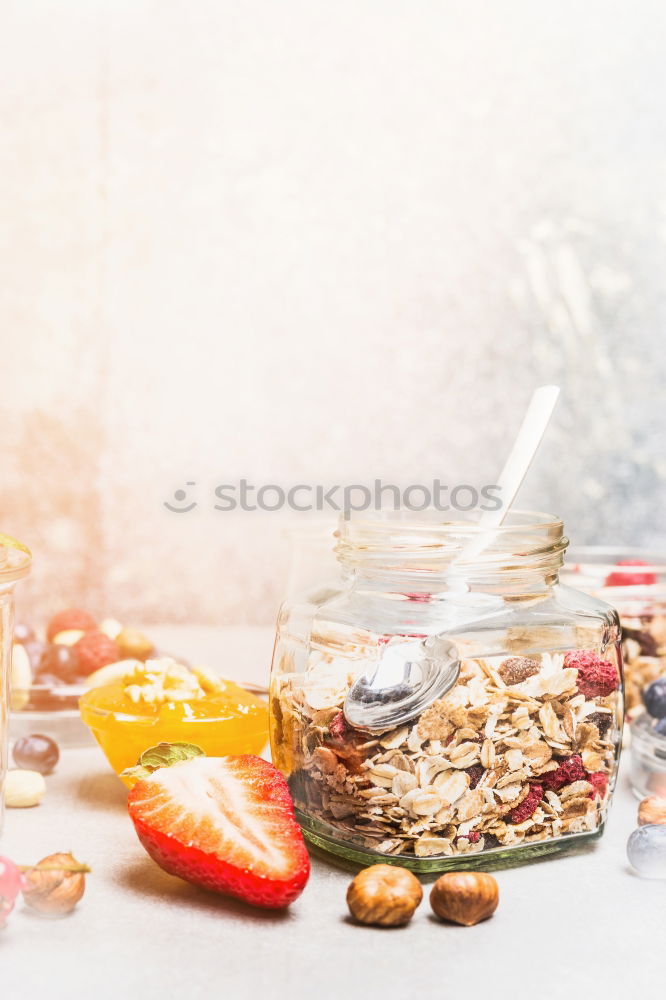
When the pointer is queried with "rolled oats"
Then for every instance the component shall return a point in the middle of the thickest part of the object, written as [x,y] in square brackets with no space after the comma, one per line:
[449,783]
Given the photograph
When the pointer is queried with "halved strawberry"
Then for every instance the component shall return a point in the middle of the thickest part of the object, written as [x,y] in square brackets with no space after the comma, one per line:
[226,823]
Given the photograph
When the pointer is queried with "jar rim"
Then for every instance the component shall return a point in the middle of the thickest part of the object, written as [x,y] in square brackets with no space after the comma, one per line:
[431,519]
[423,541]
[15,560]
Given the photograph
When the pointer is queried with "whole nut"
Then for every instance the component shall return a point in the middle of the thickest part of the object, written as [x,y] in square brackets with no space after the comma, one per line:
[55,884]
[465,897]
[652,810]
[385,895]
[69,637]
[110,627]
[134,644]
[24,789]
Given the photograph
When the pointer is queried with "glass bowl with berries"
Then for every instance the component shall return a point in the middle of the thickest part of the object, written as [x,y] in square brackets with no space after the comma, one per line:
[450,704]
[634,582]
[50,670]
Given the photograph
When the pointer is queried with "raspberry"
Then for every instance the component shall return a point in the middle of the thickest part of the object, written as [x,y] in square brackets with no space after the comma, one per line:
[581,658]
[72,618]
[596,677]
[569,770]
[600,781]
[528,805]
[475,774]
[95,650]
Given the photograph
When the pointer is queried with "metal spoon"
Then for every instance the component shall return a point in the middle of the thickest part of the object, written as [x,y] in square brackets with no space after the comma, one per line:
[410,675]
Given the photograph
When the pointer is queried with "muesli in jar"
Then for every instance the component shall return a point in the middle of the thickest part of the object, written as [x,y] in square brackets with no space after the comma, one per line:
[521,751]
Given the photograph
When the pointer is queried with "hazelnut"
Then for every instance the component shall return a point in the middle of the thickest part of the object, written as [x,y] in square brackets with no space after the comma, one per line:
[652,810]
[465,897]
[385,895]
[55,884]
[134,644]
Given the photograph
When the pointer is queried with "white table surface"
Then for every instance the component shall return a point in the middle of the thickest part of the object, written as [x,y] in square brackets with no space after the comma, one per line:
[580,925]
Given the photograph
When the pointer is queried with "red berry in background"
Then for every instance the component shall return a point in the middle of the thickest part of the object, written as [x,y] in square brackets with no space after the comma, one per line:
[95,650]
[72,618]
[624,578]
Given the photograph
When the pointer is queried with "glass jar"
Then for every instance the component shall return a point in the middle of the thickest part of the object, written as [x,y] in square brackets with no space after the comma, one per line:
[647,754]
[514,756]
[14,565]
[634,582]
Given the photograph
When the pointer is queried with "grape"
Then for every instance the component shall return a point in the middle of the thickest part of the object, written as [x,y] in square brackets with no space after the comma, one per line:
[654,698]
[11,883]
[36,753]
[646,850]
[63,661]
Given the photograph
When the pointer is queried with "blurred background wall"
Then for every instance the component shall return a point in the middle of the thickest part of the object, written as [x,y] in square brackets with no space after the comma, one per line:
[302,241]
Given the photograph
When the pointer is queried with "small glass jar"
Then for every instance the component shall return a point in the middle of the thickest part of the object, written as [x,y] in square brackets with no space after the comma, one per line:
[634,582]
[647,772]
[14,565]
[517,758]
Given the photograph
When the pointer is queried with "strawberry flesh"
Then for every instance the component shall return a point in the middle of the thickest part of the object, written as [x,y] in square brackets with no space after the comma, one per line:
[225,823]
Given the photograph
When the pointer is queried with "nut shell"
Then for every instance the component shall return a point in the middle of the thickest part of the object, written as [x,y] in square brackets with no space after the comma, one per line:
[384,895]
[55,884]
[652,810]
[464,897]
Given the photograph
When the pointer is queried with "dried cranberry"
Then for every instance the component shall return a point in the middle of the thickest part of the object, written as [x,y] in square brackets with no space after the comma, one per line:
[475,774]
[337,726]
[602,720]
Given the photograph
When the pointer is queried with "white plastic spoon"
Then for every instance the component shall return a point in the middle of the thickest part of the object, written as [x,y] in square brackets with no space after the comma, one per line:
[411,675]
[515,469]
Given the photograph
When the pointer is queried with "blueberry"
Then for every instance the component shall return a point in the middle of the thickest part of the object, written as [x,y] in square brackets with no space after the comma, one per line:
[661,727]
[654,698]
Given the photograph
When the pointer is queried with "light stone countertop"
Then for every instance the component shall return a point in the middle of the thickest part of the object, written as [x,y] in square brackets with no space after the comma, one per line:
[579,925]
